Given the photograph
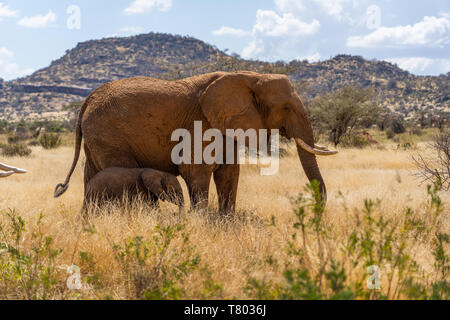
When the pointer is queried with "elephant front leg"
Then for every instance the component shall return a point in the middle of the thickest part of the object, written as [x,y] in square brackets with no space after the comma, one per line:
[227,180]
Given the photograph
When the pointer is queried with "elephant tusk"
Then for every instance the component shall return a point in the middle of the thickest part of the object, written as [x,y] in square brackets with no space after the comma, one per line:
[6,174]
[319,147]
[315,151]
[5,167]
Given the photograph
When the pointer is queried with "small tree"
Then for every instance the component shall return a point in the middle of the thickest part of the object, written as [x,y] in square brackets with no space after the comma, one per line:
[344,110]
[436,168]
[440,120]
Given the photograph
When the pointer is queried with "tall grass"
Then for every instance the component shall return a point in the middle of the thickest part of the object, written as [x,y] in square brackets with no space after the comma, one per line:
[279,245]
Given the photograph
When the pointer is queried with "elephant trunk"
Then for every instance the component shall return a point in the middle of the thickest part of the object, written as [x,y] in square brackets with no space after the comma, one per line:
[311,168]
[301,131]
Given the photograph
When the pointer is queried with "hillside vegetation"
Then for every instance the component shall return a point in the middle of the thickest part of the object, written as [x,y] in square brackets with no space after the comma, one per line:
[47,92]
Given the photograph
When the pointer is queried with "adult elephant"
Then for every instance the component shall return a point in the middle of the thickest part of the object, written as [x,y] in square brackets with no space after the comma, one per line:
[129,124]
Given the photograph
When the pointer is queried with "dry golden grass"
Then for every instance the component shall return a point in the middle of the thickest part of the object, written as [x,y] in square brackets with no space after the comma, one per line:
[232,250]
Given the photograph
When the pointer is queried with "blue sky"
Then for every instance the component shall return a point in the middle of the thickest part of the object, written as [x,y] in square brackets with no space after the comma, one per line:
[414,34]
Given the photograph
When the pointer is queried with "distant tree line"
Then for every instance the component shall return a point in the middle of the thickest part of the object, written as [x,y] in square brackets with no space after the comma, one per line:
[343,113]
[23,127]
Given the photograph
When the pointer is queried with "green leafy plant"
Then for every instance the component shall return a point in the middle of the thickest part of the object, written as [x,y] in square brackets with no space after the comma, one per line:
[390,134]
[50,140]
[354,141]
[157,268]
[325,265]
[27,271]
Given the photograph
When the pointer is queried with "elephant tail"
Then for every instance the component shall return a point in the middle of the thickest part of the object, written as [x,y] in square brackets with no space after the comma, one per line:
[62,187]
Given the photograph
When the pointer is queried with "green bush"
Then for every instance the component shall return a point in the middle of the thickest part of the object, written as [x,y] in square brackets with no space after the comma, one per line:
[158,268]
[50,140]
[417,131]
[390,134]
[17,138]
[28,269]
[16,150]
[405,142]
[354,141]
[34,143]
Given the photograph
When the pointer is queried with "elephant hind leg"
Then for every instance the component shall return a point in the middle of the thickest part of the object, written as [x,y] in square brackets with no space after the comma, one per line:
[90,169]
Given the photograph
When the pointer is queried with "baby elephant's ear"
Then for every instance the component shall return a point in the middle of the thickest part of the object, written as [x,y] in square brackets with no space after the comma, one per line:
[152,180]
[173,190]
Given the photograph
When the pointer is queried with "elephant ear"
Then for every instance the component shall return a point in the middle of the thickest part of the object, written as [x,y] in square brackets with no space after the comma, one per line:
[229,103]
[153,182]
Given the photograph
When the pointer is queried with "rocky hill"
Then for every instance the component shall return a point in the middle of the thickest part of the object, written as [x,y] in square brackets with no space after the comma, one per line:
[47,92]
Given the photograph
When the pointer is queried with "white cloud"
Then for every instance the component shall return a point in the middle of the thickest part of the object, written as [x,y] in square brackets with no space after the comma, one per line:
[8,69]
[275,33]
[38,21]
[144,6]
[227,31]
[6,53]
[430,32]
[6,12]
[254,49]
[335,8]
[269,23]
[422,65]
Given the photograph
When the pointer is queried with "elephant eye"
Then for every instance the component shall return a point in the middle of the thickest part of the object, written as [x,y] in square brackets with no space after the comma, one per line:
[286,107]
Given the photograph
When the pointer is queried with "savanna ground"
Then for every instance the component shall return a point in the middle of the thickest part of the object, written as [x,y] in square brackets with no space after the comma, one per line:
[273,248]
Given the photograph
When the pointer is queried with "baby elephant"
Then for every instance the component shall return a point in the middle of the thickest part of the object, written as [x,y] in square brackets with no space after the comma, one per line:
[114,183]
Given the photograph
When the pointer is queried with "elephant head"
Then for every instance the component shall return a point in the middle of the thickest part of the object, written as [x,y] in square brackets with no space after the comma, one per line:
[163,185]
[246,100]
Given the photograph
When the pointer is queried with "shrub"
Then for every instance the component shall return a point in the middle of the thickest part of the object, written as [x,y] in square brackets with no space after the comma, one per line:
[34,143]
[17,138]
[390,134]
[416,131]
[397,126]
[354,141]
[437,167]
[405,142]
[50,140]
[27,264]
[344,110]
[16,150]
[158,268]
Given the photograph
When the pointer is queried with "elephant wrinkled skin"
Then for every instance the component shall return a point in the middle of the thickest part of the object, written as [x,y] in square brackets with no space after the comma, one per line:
[129,123]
